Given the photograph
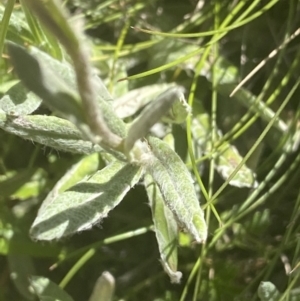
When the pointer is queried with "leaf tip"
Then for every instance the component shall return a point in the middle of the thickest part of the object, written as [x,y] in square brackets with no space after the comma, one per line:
[201,228]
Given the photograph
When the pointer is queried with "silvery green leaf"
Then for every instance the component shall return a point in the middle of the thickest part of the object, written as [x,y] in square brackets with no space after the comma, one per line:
[48,130]
[104,99]
[66,71]
[104,288]
[128,104]
[86,203]
[46,290]
[18,101]
[44,82]
[166,230]
[62,68]
[85,167]
[177,188]
[150,115]
[51,131]
[267,291]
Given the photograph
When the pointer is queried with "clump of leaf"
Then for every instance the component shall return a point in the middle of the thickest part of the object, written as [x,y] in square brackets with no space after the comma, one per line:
[89,124]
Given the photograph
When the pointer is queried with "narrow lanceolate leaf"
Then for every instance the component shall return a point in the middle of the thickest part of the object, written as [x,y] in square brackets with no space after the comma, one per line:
[48,130]
[151,114]
[44,82]
[128,104]
[18,101]
[177,188]
[103,97]
[86,203]
[52,15]
[166,230]
[66,72]
[267,291]
[47,290]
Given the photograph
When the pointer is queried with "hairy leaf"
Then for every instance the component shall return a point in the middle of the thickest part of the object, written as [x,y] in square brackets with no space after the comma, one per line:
[177,188]
[151,114]
[166,230]
[85,167]
[42,80]
[18,101]
[48,130]
[104,99]
[86,203]
[66,71]
[128,104]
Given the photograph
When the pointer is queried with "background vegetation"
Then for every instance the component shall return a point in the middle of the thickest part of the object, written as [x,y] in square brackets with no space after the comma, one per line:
[251,197]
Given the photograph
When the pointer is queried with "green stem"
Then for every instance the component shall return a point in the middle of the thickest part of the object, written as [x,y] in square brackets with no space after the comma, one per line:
[4,23]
